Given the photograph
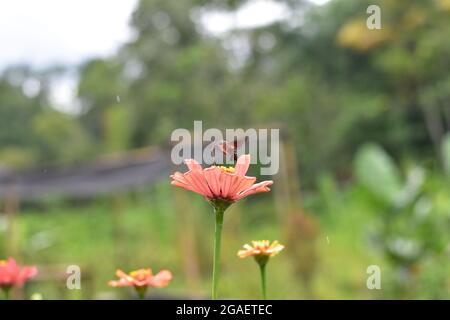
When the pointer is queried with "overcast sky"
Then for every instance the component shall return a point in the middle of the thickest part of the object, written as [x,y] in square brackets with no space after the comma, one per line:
[46,32]
[42,32]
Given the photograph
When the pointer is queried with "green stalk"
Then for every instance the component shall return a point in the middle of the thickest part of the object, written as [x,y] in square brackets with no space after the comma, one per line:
[217,245]
[262,268]
[141,291]
[6,291]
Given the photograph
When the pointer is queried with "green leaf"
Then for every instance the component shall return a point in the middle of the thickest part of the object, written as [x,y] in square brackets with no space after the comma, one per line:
[376,170]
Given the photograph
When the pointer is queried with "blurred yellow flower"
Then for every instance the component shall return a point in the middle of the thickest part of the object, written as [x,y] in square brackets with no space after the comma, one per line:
[444,5]
[260,248]
[355,34]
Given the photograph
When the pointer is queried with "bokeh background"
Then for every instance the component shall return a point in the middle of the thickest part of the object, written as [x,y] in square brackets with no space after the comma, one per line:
[90,92]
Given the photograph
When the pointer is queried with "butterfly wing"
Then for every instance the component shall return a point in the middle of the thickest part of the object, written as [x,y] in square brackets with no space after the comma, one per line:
[229,149]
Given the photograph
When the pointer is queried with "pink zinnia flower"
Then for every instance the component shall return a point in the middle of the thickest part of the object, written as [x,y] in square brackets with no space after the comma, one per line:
[221,186]
[141,279]
[220,183]
[13,275]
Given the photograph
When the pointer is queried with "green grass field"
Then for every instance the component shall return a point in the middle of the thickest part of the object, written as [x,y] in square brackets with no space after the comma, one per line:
[133,232]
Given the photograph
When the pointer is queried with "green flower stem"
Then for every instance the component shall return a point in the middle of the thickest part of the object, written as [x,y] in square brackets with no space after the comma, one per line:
[141,291]
[219,212]
[262,260]
[262,268]
[6,291]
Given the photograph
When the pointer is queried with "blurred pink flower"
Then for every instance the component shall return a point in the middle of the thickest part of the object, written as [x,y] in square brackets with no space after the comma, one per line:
[13,275]
[142,278]
[220,183]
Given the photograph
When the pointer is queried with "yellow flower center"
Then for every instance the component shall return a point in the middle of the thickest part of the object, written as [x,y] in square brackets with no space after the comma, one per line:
[227,169]
[140,274]
[2,262]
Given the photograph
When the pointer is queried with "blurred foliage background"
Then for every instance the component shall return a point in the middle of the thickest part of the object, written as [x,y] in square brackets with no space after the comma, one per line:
[364,114]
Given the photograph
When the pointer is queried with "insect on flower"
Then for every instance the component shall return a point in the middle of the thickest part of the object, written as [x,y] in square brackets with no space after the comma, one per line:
[230,149]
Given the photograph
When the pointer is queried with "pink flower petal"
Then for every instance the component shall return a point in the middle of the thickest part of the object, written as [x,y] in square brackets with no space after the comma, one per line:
[115,283]
[187,187]
[212,178]
[193,165]
[242,164]
[123,276]
[25,274]
[242,183]
[161,279]
[226,184]
[198,181]
[256,188]
[179,177]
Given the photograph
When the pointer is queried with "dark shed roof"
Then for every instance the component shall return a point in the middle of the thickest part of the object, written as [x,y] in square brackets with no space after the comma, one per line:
[117,173]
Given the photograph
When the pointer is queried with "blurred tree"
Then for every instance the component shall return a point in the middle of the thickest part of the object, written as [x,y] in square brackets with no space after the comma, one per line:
[319,74]
[60,137]
[17,109]
[100,86]
[32,132]
[22,97]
